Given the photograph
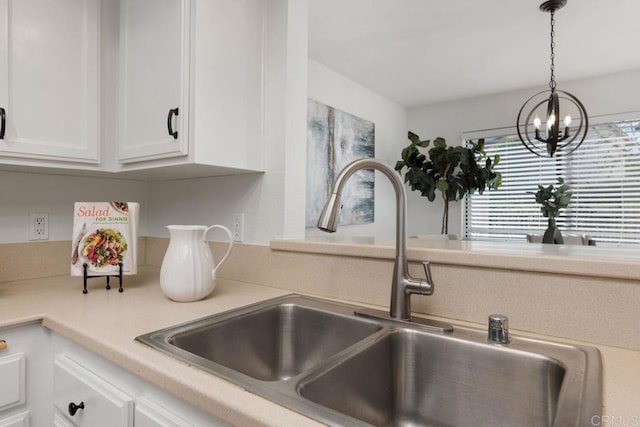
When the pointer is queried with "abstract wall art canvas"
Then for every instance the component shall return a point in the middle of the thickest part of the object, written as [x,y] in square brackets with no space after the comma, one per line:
[334,139]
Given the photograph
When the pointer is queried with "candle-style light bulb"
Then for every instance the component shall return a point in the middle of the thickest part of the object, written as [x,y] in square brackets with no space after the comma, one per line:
[537,122]
[551,121]
[567,121]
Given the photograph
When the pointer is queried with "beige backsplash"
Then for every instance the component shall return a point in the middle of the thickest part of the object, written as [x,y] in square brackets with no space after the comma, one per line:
[33,260]
[598,310]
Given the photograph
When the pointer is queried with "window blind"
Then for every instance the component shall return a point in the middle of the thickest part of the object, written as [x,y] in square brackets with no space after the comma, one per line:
[604,175]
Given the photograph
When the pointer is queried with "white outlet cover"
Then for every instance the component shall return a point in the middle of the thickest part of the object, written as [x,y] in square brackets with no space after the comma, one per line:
[39,226]
[238,227]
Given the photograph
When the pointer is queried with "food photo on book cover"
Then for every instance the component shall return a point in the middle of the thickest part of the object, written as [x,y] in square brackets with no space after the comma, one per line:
[104,237]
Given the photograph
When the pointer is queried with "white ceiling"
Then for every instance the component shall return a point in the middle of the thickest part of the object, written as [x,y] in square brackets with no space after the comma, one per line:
[418,52]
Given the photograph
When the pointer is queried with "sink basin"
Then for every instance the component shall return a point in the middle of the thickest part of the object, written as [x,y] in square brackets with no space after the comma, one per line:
[412,378]
[275,343]
[272,342]
[318,358]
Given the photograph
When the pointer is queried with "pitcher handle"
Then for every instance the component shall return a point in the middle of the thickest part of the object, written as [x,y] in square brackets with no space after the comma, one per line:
[230,235]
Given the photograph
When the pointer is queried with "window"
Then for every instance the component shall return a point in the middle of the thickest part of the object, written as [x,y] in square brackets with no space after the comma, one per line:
[604,175]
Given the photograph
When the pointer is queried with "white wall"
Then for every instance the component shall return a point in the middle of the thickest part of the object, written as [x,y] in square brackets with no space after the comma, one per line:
[616,93]
[22,193]
[273,203]
[390,119]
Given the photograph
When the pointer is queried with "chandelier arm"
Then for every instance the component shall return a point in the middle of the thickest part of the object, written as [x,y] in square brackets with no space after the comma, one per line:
[538,138]
[522,139]
[526,132]
[577,131]
[526,141]
[584,122]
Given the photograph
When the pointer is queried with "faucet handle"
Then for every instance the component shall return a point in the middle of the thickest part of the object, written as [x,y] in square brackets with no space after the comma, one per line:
[414,285]
[427,271]
[498,331]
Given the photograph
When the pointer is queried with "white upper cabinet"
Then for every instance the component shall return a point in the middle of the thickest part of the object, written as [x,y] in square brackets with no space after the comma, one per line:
[154,88]
[49,81]
[205,59]
[154,79]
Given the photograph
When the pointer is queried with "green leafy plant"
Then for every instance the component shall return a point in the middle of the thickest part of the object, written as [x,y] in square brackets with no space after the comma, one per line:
[453,171]
[552,199]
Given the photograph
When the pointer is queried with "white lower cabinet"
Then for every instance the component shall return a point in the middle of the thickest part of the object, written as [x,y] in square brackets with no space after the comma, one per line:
[25,376]
[88,400]
[16,420]
[111,396]
[12,392]
[46,379]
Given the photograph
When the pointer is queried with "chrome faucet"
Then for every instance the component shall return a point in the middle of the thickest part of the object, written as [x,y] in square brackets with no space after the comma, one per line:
[403,285]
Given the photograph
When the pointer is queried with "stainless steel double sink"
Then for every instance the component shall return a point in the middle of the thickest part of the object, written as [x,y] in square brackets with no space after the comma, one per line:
[320,359]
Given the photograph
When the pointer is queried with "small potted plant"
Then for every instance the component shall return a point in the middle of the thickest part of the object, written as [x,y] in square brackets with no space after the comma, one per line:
[551,200]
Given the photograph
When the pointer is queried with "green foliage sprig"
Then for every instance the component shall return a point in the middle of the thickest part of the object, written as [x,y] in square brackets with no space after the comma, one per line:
[453,171]
[552,199]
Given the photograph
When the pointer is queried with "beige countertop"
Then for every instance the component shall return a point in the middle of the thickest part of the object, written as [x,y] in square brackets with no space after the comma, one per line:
[107,322]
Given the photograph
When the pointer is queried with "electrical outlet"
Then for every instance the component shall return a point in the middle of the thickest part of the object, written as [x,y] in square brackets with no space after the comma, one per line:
[238,227]
[39,226]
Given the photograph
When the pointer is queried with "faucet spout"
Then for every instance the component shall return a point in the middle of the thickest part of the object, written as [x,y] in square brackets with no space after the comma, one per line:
[403,285]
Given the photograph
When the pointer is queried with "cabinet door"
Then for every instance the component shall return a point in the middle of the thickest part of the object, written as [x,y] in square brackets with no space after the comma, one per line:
[49,86]
[12,378]
[17,420]
[154,55]
[4,57]
[100,403]
[29,361]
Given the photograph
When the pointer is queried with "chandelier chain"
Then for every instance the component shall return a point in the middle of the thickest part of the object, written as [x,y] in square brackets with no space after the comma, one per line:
[552,82]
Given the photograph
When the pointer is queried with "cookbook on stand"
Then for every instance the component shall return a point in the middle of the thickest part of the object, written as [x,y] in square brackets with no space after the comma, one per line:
[105,235]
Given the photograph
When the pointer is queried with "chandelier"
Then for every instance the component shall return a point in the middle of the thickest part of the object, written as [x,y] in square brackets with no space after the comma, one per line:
[549,104]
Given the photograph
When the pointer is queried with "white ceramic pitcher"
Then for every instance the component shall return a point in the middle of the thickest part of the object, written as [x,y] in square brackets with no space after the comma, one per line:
[188,271]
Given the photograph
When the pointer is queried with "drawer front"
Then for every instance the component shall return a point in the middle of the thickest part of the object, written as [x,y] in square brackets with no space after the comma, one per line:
[101,404]
[151,414]
[60,421]
[17,420]
[12,378]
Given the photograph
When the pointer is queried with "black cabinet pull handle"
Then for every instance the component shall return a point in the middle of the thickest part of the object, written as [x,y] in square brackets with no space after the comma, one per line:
[3,120]
[172,112]
[73,408]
